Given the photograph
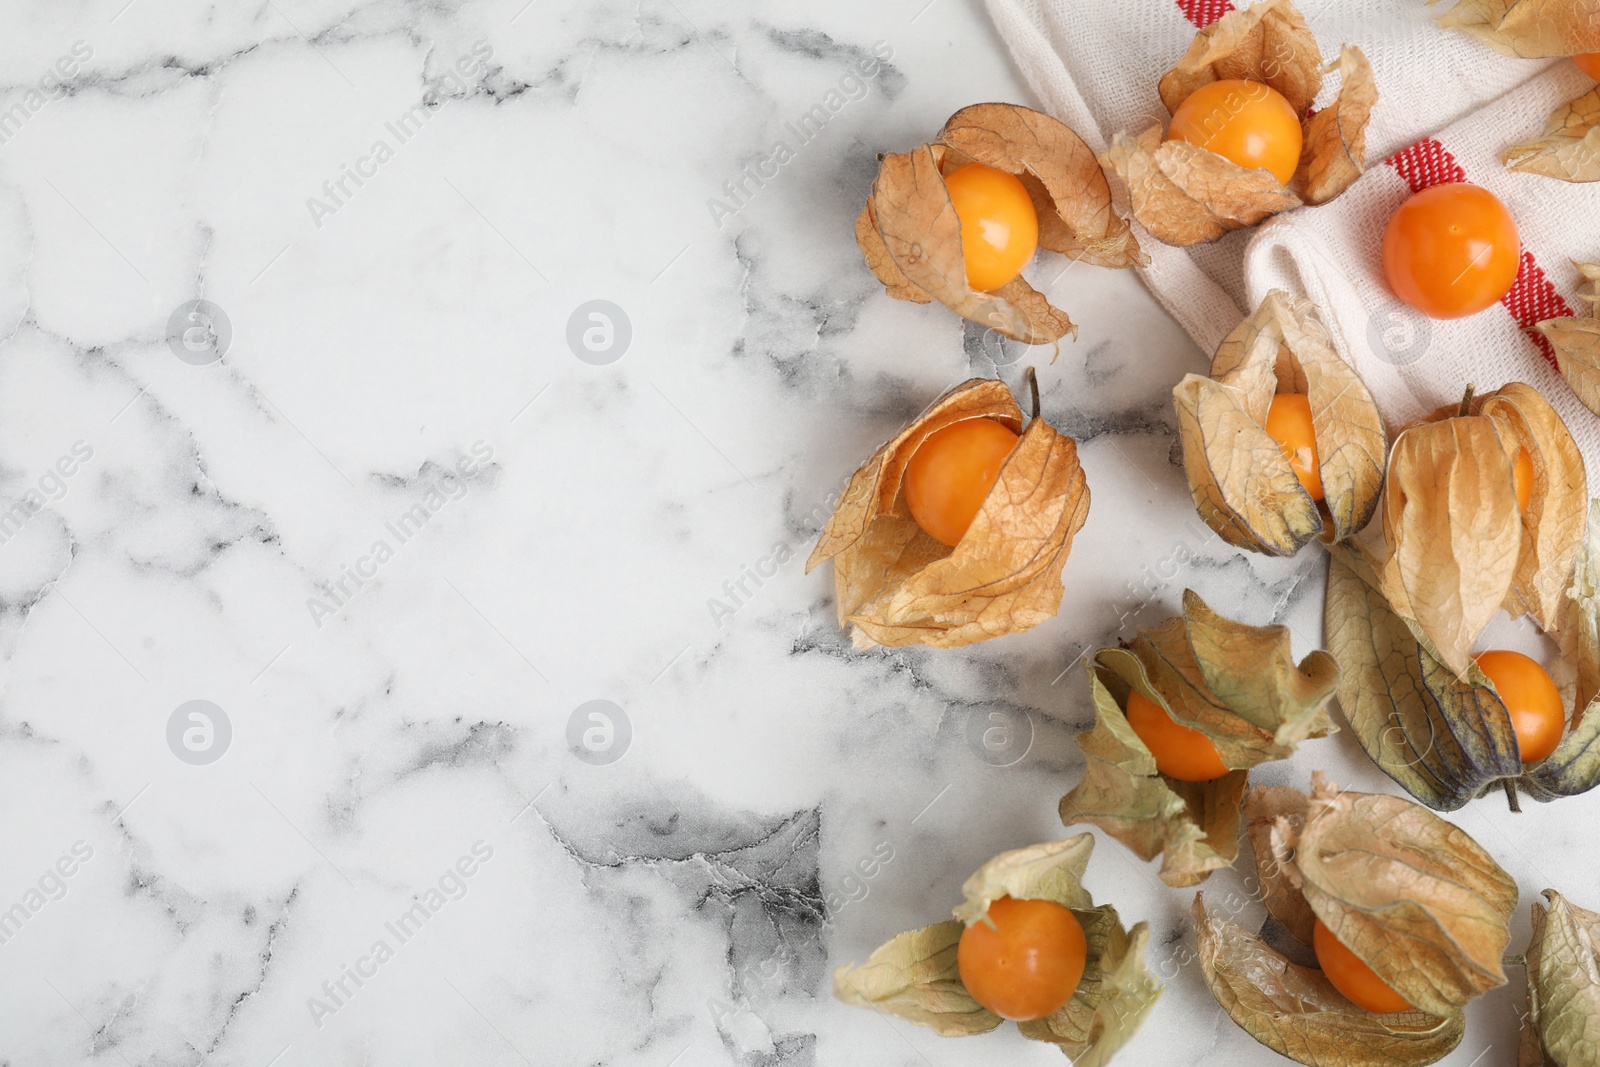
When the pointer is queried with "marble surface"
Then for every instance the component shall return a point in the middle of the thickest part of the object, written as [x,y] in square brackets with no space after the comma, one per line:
[399,536]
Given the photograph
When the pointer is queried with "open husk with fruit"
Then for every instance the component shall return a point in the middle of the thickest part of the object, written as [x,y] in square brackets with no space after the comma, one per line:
[1243,482]
[1184,193]
[918,975]
[1414,918]
[911,236]
[1575,340]
[1177,794]
[1486,508]
[895,584]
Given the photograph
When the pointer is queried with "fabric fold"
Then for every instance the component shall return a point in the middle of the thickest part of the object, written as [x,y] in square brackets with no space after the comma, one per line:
[1448,107]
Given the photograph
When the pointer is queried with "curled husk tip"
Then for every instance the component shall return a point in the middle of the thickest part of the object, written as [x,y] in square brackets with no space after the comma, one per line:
[1239,686]
[1562,1024]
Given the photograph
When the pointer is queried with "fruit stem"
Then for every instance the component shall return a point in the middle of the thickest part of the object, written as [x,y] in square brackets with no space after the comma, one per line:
[1510,786]
[1466,409]
[1032,378]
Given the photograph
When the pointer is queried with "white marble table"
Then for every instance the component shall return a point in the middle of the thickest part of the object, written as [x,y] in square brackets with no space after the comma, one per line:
[400,534]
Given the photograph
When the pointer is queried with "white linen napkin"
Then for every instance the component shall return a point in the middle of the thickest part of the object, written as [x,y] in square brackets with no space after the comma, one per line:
[1448,105]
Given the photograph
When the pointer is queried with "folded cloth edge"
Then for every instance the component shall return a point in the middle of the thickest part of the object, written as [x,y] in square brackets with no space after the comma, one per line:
[1205,310]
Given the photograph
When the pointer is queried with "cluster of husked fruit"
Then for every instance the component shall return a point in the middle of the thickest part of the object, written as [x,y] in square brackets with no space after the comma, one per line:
[956,530]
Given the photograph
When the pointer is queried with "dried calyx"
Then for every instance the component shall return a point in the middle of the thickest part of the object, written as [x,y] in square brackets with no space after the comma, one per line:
[1185,194]
[1575,339]
[915,975]
[894,584]
[1569,147]
[1243,484]
[1411,896]
[911,235]
[1235,685]
[1563,986]
[1402,618]
[1528,29]
[1459,544]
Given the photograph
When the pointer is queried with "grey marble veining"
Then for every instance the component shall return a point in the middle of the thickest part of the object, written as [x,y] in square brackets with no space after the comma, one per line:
[400,536]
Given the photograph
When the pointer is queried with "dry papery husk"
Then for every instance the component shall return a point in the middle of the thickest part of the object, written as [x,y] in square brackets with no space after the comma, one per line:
[1562,1026]
[1458,548]
[1569,147]
[1530,29]
[1185,194]
[1448,739]
[895,585]
[914,975]
[1576,342]
[911,236]
[1412,896]
[1237,684]
[1241,481]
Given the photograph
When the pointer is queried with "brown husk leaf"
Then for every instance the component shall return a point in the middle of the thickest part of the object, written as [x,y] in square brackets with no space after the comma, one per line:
[1183,193]
[1562,1027]
[921,236]
[1569,147]
[1553,523]
[1450,521]
[1068,188]
[1448,739]
[1241,481]
[1267,42]
[1445,739]
[1459,549]
[1530,29]
[1186,195]
[895,585]
[1296,1012]
[1235,683]
[1576,341]
[911,238]
[1334,151]
[915,975]
[1263,807]
[1414,897]
[1574,767]
[893,278]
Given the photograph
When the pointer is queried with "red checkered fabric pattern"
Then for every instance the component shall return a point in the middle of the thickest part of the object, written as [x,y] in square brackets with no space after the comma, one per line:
[1426,164]
[1204,12]
[1094,64]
